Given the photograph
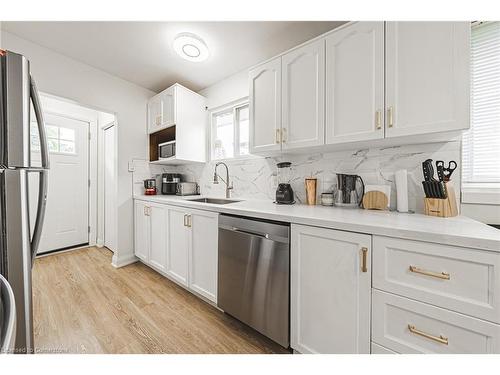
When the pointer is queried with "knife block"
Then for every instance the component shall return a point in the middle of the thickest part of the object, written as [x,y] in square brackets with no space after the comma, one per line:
[442,207]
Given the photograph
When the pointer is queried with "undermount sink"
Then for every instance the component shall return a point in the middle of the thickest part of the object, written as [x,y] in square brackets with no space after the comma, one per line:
[213,200]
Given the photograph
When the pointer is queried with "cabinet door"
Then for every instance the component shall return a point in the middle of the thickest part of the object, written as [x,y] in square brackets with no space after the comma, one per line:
[203,253]
[303,96]
[168,105]
[178,245]
[142,230]
[155,113]
[330,291]
[355,83]
[158,250]
[265,107]
[427,77]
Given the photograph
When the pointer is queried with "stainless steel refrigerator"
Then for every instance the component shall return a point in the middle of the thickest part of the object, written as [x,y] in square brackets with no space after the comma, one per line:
[19,242]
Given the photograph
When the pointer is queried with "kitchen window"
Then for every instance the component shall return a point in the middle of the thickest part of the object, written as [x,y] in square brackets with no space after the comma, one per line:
[230,131]
[481,143]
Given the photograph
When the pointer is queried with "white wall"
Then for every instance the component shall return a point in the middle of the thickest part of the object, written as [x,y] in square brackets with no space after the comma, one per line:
[59,75]
[228,90]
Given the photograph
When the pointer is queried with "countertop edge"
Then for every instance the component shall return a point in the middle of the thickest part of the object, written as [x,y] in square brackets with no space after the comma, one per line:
[373,229]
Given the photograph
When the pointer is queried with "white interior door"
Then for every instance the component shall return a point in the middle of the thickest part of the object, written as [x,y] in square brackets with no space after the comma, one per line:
[110,230]
[67,215]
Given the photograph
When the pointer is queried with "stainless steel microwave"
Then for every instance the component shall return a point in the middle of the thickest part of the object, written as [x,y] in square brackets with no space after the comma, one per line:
[166,150]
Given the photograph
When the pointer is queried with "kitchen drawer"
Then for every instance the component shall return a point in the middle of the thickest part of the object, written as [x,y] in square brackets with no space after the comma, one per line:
[435,330]
[460,279]
[379,349]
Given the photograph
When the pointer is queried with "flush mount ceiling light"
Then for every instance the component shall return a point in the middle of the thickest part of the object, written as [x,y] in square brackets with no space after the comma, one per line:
[190,47]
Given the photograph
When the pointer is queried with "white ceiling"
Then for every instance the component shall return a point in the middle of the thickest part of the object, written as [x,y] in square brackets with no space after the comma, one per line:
[141,52]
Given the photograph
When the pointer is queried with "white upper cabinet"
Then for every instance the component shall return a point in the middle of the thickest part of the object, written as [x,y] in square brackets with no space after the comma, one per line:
[303,96]
[355,83]
[161,110]
[330,291]
[427,77]
[265,107]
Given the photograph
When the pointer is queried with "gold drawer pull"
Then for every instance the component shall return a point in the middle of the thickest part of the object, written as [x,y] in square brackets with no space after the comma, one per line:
[442,275]
[441,339]
[364,252]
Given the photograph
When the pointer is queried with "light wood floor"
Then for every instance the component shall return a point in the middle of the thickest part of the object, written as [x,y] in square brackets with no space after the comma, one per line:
[82,304]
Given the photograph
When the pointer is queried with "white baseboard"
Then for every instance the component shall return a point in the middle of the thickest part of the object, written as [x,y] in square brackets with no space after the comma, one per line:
[123,261]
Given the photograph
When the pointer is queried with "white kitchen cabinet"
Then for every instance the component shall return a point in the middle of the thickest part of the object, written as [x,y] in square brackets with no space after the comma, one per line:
[142,230]
[158,215]
[178,245]
[303,96]
[203,230]
[427,77]
[265,107]
[150,223]
[161,110]
[407,326]
[355,83]
[183,112]
[330,291]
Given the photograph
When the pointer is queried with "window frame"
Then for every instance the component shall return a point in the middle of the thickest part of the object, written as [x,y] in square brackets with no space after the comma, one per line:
[486,193]
[233,107]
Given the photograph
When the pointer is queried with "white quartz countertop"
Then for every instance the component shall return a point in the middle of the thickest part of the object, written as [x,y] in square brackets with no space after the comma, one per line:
[458,231]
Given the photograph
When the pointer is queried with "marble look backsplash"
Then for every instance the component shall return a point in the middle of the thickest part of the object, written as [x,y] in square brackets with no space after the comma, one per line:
[256,177]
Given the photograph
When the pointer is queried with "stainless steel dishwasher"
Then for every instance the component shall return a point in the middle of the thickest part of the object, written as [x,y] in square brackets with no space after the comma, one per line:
[254,274]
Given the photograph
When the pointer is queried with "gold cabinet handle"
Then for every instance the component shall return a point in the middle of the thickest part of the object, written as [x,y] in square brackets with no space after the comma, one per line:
[277,136]
[378,120]
[441,339]
[283,135]
[189,223]
[442,275]
[145,210]
[364,253]
[185,220]
[391,117]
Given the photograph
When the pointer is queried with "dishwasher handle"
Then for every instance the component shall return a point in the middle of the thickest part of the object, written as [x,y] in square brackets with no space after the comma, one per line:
[252,233]
[249,232]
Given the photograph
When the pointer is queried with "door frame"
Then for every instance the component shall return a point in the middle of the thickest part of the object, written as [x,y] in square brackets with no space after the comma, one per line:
[92,171]
[101,181]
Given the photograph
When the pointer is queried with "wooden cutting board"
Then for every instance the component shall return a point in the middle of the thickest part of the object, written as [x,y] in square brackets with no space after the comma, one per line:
[375,200]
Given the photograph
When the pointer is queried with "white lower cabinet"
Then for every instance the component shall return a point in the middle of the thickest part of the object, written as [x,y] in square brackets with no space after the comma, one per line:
[330,291]
[141,230]
[150,234]
[158,251]
[203,247]
[379,349]
[408,326]
[179,243]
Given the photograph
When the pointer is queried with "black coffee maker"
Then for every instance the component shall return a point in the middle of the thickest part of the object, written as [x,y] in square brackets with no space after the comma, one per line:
[284,192]
[169,183]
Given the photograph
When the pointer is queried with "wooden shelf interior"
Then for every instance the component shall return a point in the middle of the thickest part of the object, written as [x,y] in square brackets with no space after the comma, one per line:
[164,135]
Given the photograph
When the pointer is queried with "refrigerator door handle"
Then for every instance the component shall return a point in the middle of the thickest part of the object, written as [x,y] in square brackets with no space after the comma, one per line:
[40,212]
[41,124]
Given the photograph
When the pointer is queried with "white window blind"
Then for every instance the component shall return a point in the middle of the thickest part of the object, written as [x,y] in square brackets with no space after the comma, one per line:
[481,144]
